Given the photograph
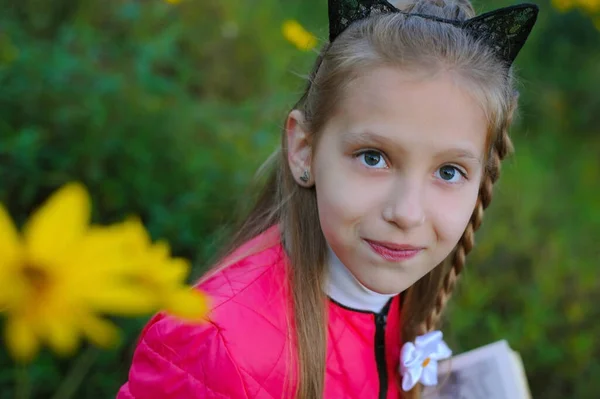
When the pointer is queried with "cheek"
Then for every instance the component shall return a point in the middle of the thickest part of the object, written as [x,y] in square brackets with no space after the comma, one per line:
[343,200]
[451,219]
[339,197]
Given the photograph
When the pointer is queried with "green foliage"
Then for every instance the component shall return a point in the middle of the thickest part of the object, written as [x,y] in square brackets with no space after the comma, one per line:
[532,277]
[166,111]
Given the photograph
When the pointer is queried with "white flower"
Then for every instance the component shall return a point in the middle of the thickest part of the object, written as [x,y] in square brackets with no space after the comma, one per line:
[418,361]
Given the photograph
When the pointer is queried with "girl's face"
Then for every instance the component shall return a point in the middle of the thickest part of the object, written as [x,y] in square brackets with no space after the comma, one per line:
[397,172]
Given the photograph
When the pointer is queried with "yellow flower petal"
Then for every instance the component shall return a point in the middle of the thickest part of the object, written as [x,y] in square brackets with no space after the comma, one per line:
[12,293]
[108,250]
[11,250]
[160,250]
[123,300]
[138,238]
[58,224]
[101,332]
[21,340]
[10,243]
[171,272]
[61,334]
[296,34]
[128,239]
[187,303]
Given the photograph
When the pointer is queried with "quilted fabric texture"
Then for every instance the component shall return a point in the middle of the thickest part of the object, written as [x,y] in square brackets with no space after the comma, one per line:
[246,349]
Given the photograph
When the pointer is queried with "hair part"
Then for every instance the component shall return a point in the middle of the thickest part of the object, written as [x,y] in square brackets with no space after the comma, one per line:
[410,43]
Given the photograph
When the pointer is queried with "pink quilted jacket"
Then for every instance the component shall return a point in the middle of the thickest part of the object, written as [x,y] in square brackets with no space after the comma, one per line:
[246,351]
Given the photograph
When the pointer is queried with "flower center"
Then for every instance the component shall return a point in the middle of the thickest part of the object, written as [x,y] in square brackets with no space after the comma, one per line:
[35,277]
[426,362]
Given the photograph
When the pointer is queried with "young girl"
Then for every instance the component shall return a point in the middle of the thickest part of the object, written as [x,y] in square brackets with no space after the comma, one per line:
[357,240]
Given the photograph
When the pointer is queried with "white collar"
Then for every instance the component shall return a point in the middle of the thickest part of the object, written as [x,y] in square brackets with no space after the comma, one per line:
[346,290]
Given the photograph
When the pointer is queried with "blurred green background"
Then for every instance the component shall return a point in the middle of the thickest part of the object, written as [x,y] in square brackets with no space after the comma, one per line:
[166,109]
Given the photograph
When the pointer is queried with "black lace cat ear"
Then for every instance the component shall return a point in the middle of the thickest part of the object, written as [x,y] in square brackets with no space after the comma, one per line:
[505,30]
[342,13]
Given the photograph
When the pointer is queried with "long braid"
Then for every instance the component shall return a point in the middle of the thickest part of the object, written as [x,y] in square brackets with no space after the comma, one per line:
[414,301]
[501,148]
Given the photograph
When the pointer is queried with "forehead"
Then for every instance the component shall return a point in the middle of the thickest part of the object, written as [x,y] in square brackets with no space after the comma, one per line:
[406,107]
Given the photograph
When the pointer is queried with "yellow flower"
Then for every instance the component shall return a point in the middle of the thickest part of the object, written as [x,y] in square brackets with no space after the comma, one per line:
[298,36]
[61,275]
[161,276]
[173,1]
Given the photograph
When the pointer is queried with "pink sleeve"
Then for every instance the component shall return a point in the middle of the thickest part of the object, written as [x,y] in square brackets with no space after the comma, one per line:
[174,360]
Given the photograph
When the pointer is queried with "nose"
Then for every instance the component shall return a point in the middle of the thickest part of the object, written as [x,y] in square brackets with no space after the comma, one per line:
[405,207]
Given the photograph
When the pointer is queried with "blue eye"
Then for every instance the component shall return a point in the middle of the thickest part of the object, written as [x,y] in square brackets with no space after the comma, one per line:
[373,159]
[450,174]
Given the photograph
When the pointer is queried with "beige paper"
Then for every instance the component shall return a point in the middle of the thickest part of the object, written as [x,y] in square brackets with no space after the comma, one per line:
[493,371]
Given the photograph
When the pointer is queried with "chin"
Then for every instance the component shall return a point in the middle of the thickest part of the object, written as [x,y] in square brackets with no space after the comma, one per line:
[390,290]
[387,285]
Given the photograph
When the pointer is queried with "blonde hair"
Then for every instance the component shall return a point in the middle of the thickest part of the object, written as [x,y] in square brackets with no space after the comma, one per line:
[410,43]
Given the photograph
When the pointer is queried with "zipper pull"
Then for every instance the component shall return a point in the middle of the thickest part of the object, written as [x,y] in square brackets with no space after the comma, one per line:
[381,319]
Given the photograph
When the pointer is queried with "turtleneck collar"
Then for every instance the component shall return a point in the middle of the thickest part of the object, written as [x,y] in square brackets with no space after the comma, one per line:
[346,290]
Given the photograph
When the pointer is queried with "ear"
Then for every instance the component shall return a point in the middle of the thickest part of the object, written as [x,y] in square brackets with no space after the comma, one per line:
[299,147]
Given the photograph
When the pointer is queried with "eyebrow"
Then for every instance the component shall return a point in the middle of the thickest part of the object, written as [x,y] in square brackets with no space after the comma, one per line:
[369,138]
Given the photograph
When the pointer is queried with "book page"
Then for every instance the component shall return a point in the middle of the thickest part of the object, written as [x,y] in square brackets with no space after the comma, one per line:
[489,372]
[521,376]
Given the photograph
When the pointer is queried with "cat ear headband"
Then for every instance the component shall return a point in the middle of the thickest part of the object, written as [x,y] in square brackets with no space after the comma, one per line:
[505,30]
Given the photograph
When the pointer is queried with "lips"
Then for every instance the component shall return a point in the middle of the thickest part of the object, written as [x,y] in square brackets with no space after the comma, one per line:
[394,252]
[394,247]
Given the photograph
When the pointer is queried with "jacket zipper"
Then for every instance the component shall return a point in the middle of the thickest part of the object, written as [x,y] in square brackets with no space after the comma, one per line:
[380,320]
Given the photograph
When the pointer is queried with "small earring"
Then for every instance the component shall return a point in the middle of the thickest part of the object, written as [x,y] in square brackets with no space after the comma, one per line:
[305,176]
